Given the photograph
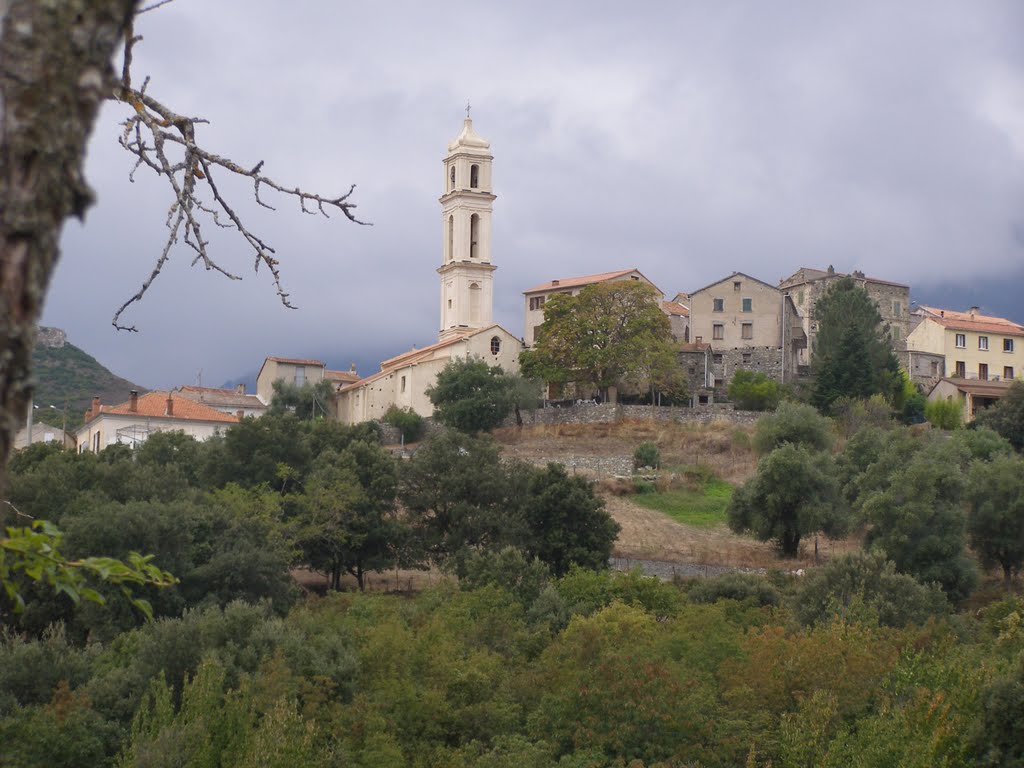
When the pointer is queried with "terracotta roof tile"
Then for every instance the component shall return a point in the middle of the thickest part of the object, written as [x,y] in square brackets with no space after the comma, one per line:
[222,398]
[965,321]
[296,361]
[675,308]
[342,376]
[154,404]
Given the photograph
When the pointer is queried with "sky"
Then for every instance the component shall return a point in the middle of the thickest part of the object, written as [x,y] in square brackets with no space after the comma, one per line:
[687,139]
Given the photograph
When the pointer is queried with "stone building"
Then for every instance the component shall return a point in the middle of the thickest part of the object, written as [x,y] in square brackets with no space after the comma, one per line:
[467,291]
[749,325]
[807,285]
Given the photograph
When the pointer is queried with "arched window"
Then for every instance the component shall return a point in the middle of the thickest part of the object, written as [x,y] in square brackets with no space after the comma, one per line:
[451,238]
[474,302]
[474,176]
[452,186]
[495,345]
[474,232]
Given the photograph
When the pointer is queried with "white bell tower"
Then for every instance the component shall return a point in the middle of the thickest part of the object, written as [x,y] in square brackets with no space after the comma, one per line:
[466,269]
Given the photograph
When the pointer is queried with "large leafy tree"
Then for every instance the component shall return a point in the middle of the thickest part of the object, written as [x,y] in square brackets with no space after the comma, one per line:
[472,396]
[995,519]
[607,335]
[852,354]
[795,492]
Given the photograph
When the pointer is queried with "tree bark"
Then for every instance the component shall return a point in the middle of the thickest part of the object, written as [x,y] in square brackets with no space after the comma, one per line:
[55,71]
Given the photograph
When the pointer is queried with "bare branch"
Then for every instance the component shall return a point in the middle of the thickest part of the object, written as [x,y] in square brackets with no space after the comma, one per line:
[165,142]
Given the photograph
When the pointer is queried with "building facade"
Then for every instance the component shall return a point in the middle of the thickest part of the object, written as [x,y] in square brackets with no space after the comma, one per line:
[973,345]
[807,285]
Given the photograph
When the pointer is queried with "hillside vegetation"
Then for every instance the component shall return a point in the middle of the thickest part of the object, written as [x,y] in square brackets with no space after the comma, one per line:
[69,375]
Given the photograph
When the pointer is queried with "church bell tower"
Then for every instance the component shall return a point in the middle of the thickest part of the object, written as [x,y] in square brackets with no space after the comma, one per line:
[466,270]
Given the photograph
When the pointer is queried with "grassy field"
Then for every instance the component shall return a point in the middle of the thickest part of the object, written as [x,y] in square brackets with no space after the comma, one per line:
[702,508]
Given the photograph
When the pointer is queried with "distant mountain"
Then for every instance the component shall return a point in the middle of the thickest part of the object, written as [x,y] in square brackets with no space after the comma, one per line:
[65,374]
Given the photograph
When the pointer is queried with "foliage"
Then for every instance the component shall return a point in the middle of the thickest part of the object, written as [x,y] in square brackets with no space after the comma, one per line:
[995,518]
[646,455]
[1007,416]
[567,523]
[916,518]
[794,493]
[32,553]
[409,423]
[944,414]
[472,396]
[852,353]
[742,587]
[793,423]
[306,401]
[865,587]
[752,391]
[607,335]
[851,416]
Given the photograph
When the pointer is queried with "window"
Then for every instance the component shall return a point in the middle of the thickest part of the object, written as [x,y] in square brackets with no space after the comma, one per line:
[897,309]
[935,369]
[961,369]
[718,331]
[748,305]
[495,345]
[536,333]
[451,238]
[403,384]
[474,176]
[746,357]
[716,359]
[983,371]
[747,331]
[300,375]
[983,342]
[961,341]
[736,285]
[800,297]
[692,370]
[1008,373]
[1007,345]
[718,305]
[536,302]
[452,178]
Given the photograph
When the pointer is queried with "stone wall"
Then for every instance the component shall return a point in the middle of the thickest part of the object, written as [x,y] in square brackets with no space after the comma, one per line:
[609,413]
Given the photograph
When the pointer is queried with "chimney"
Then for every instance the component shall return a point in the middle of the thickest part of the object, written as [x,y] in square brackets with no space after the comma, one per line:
[170,405]
[942,313]
[133,402]
[240,413]
[352,368]
[94,410]
[240,389]
[554,282]
[974,311]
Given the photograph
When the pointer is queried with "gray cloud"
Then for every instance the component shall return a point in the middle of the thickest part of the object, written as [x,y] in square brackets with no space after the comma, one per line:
[687,139]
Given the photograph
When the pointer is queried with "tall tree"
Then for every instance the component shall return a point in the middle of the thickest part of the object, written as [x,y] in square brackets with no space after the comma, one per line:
[607,335]
[852,354]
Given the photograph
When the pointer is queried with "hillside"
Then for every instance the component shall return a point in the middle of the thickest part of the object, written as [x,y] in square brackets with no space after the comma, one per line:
[68,375]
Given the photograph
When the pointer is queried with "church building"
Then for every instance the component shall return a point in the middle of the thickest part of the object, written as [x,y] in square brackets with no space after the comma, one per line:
[467,295]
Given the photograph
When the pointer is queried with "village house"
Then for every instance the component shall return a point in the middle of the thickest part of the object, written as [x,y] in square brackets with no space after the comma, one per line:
[971,345]
[749,324]
[974,395]
[679,317]
[467,329]
[234,401]
[536,297]
[132,422]
[807,285]
[299,372]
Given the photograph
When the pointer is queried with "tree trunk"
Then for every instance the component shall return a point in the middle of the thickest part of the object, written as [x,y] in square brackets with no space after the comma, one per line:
[790,543]
[55,72]
[1008,578]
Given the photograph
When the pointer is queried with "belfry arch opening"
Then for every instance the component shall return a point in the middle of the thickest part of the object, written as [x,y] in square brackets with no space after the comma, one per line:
[451,182]
[474,235]
[474,176]
[451,238]
[474,302]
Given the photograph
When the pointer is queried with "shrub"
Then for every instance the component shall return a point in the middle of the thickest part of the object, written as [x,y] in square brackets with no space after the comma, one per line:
[944,414]
[754,391]
[741,587]
[794,423]
[406,421]
[646,455]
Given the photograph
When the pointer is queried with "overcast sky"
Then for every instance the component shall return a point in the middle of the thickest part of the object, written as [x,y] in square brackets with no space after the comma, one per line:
[688,139]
